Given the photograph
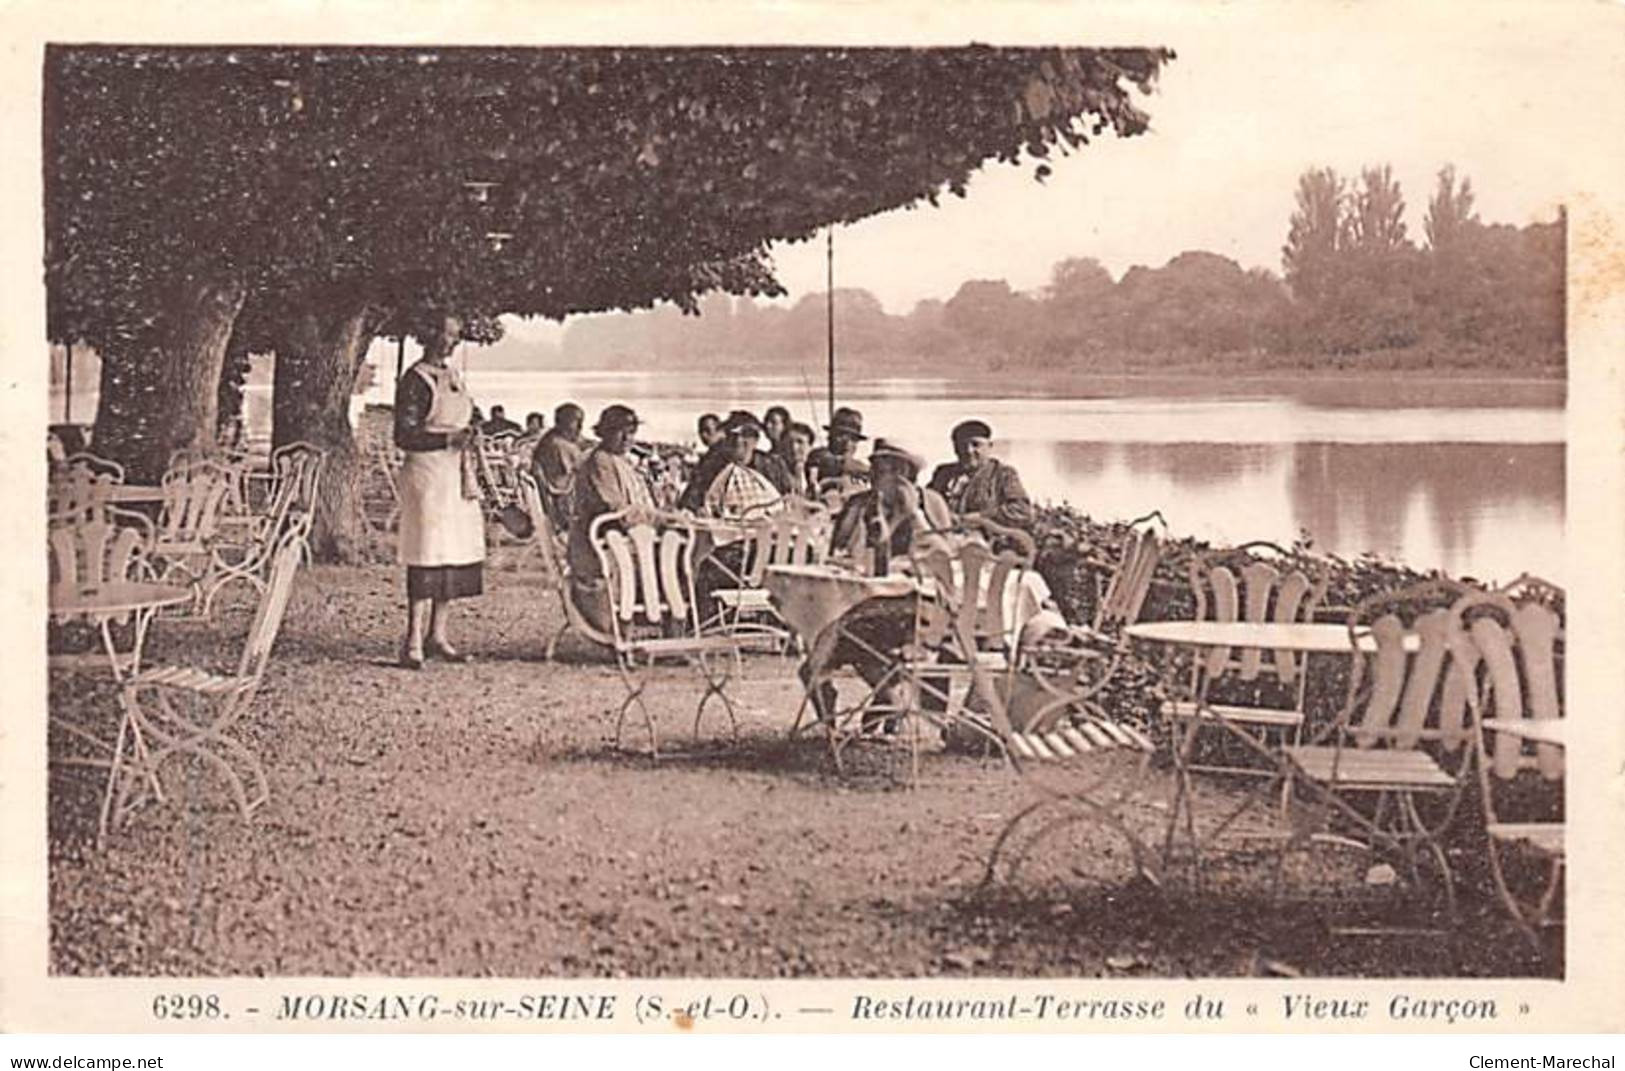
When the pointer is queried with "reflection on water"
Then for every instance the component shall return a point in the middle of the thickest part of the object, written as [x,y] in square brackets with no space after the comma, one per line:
[1487,509]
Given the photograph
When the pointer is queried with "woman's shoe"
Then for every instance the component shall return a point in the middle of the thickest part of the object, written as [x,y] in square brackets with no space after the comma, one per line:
[408,660]
[444,652]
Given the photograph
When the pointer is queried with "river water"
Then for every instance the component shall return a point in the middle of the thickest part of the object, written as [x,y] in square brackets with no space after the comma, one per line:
[1466,476]
[1462,475]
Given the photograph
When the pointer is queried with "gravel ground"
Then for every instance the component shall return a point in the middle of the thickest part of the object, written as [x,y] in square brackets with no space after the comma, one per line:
[476,821]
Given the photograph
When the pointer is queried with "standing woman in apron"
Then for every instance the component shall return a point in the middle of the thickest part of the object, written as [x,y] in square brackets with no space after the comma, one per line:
[442,524]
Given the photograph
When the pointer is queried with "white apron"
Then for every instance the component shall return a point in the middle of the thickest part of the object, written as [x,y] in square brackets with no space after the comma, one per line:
[438,525]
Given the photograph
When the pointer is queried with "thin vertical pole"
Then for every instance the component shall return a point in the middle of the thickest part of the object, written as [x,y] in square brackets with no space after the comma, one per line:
[67,394]
[400,357]
[829,311]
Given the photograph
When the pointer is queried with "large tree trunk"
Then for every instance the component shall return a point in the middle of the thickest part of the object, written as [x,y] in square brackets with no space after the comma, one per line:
[316,365]
[161,394]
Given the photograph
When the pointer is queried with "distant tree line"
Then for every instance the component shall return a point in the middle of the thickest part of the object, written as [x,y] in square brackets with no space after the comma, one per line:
[1353,284]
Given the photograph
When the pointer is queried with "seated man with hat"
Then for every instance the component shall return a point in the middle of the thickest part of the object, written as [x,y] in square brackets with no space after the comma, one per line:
[979,486]
[839,460]
[893,513]
[874,527]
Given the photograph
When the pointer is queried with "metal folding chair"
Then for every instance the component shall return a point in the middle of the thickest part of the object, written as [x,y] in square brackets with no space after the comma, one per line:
[1519,729]
[245,552]
[171,711]
[1368,771]
[109,547]
[1074,666]
[550,545]
[1254,582]
[648,562]
[793,536]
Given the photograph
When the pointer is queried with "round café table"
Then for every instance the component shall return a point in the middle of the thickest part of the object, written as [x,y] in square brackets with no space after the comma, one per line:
[121,600]
[1306,638]
[1300,637]
[103,604]
[821,603]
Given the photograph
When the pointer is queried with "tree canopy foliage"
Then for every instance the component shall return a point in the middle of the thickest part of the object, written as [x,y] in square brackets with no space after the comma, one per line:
[204,203]
[529,181]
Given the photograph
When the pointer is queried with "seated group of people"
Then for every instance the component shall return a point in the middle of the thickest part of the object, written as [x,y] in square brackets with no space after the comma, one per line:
[882,504]
[736,476]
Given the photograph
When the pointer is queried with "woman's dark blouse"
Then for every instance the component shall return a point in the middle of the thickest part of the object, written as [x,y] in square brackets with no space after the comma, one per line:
[413,400]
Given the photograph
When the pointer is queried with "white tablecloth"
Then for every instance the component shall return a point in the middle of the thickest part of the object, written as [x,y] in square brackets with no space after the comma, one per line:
[811,598]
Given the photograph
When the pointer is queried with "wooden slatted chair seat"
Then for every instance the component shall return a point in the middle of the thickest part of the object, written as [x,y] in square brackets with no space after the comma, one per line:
[1076,739]
[676,646]
[746,600]
[1371,771]
[192,679]
[1186,710]
[1076,768]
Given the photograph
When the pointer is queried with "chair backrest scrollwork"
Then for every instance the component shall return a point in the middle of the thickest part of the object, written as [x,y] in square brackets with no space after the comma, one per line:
[648,560]
[1130,584]
[1254,582]
[1519,647]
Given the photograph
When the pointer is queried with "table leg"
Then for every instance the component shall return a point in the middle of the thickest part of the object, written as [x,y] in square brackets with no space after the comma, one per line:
[1181,808]
[143,619]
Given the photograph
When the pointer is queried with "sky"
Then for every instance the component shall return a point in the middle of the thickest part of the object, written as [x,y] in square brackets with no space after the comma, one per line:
[1236,118]
[1256,96]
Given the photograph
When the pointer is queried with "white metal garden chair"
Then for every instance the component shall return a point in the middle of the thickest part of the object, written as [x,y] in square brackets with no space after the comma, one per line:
[1518,715]
[246,554]
[1073,666]
[194,494]
[1402,736]
[551,546]
[1245,584]
[175,711]
[797,535]
[648,564]
[107,548]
